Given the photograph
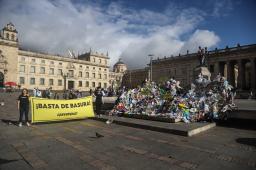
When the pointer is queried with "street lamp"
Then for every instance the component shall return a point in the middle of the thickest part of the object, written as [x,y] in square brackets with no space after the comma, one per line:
[65,75]
[151,57]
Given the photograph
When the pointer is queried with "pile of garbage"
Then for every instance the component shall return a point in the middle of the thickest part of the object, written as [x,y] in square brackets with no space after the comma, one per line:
[205,100]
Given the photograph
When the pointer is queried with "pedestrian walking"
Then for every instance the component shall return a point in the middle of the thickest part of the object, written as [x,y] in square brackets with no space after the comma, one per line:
[23,106]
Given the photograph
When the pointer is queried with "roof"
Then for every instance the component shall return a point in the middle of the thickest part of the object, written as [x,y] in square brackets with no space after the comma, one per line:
[119,62]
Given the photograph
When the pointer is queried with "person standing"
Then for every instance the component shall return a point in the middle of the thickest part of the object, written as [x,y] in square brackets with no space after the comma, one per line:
[23,106]
[34,92]
[98,101]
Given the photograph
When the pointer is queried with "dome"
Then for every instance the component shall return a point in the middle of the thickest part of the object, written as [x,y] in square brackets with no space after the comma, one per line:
[119,62]
[120,67]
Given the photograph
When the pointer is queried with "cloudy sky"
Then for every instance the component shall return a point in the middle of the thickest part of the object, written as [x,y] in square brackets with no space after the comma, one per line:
[130,29]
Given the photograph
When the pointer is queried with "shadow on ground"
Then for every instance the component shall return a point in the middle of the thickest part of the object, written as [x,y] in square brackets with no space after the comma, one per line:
[9,122]
[247,141]
[238,123]
[6,161]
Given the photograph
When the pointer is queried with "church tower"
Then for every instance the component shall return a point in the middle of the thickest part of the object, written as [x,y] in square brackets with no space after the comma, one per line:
[9,33]
[8,54]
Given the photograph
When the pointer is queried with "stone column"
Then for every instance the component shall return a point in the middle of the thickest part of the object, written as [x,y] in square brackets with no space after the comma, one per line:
[241,75]
[230,73]
[221,68]
[253,75]
[216,69]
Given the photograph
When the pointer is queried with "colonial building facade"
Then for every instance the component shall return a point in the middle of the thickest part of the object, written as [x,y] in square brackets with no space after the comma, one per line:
[39,70]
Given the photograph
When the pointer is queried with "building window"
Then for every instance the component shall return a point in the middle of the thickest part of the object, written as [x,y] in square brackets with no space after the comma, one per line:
[80,74]
[22,68]
[32,69]
[87,84]
[99,76]
[60,64]
[93,68]
[12,37]
[99,84]
[52,62]
[80,66]
[43,61]
[211,68]
[22,80]
[32,81]
[105,76]
[93,75]
[93,84]
[41,81]
[99,68]
[42,70]
[71,73]
[7,35]
[105,69]
[33,60]
[80,83]
[87,74]
[59,71]
[50,82]
[94,60]
[87,67]
[51,71]
[184,71]
[100,60]
[105,85]
[59,82]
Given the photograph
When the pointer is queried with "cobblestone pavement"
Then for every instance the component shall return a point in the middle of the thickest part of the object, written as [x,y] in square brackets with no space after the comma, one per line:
[74,145]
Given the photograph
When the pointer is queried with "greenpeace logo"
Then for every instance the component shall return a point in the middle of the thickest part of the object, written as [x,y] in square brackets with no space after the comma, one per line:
[67,114]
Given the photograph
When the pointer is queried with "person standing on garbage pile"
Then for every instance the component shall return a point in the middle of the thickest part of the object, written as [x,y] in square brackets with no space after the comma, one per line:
[23,106]
[39,93]
[98,93]
[34,92]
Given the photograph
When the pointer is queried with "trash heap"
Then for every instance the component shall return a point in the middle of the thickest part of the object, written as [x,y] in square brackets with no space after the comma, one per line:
[204,101]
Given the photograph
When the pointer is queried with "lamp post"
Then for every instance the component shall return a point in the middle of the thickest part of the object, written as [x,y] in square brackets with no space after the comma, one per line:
[130,78]
[151,57]
[65,75]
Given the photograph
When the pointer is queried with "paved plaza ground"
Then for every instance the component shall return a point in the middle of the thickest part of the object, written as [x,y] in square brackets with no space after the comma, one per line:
[74,145]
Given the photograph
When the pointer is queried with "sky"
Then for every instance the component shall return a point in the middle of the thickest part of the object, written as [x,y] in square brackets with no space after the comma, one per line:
[130,29]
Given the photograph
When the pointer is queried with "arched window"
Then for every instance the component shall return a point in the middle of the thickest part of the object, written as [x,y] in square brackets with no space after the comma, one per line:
[12,37]
[7,35]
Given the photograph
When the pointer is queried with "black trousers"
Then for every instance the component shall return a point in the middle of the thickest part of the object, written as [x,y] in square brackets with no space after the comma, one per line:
[24,111]
[98,107]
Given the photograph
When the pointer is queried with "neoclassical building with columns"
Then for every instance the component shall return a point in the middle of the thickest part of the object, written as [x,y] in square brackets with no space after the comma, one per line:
[40,70]
[237,64]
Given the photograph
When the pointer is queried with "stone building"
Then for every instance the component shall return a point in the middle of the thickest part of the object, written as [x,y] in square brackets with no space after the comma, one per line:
[237,64]
[116,76]
[33,69]
[133,78]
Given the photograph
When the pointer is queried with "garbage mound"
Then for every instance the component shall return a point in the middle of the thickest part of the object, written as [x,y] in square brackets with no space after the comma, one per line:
[205,100]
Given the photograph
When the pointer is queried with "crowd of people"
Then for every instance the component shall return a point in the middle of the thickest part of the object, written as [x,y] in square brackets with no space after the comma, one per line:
[48,93]
[205,100]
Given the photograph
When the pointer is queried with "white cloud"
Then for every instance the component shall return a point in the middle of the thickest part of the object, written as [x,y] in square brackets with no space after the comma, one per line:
[56,26]
[222,8]
[203,38]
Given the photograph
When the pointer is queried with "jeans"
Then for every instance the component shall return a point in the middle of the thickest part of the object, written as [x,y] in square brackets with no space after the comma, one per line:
[24,111]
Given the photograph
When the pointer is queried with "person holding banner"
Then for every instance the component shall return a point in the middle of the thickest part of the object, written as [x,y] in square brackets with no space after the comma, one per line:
[23,106]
